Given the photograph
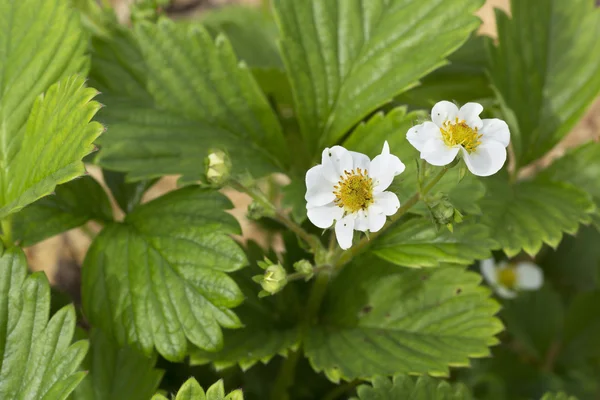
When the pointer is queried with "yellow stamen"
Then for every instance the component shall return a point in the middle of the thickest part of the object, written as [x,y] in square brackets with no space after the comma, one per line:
[354,191]
[459,133]
[507,277]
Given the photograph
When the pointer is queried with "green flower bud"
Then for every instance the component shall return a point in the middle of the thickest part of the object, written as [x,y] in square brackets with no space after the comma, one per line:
[442,210]
[218,167]
[255,211]
[304,267]
[273,280]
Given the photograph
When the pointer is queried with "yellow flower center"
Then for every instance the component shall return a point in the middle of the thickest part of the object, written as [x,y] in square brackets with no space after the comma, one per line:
[459,133]
[507,277]
[354,191]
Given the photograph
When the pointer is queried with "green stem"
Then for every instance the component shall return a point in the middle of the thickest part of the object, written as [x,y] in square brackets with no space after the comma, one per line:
[7,231]
[301,275]
[278,215]
[285,378]
[338,391]
[414,199]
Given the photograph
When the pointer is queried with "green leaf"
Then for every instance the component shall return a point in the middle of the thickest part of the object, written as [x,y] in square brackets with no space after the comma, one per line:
[378,319]
[252,33]
[347,58]
[416,242]
[74,204]
[58,135]
[117,373]
[191,390]
[404,387]
[580,167]
[37,359]
[202,98]
[43,43]
[270,323]
[575,264]
[528,214]
[127,194]
[463,80]
[558,396]
[542,71]
[535,319]
[581,330]
[160,278]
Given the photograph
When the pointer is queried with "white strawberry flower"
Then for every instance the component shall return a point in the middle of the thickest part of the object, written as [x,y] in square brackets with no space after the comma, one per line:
[508,279]
[482,143]
[348,189]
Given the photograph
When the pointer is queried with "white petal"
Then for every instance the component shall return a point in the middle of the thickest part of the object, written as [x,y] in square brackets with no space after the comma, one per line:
[497,130]
[488,270]
[470,114]
[388,202]
[335,161]
[319,190]
[376,221]
[487,159]
[344,231]
[362,221]
[529,276]
[418,135]
[437,153]
[505,293]
[443,111]
[360,160]
[384,168]
[323,216]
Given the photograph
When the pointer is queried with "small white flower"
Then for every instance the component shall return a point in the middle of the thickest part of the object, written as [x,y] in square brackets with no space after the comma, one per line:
[347,188]
[482,142]
[507,279]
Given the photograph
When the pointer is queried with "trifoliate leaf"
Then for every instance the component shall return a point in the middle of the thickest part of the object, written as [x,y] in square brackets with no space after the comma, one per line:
[270,325]
[74,204]
[463,80]
[528,214]
[127,194]
[580,168]
[160,278]
[49,150]
[252,33]
[347,58]
[535,319]
[191,390]
[378,319]
[542,70]
[417,242]
[116,373]
[202,99]
[404,387]
[37,359]
[558,396]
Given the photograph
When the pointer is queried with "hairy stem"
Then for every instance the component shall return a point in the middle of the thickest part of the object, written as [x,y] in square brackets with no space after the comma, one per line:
[414,199]
[285,378]
[278,215]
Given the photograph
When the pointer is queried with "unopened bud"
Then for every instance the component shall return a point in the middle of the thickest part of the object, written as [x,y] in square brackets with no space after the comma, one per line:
[304,267]
[273,280]
[218,167]
[443,212]
[255,211]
